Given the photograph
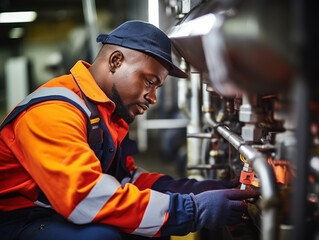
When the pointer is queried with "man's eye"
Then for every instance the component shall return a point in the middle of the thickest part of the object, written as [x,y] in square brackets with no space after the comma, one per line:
[149,83]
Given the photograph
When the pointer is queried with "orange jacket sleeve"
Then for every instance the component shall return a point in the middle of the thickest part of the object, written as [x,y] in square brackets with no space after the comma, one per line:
[53,149]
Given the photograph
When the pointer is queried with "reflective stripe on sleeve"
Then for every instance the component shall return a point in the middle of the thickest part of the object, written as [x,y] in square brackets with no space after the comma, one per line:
[89,207]
[136,173]
[154,215]
[125,181]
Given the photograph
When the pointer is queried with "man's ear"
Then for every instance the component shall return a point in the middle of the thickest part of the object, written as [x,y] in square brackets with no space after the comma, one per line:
[115,60]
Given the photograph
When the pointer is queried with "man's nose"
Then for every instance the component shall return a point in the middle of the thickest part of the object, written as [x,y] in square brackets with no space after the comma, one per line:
[151,96]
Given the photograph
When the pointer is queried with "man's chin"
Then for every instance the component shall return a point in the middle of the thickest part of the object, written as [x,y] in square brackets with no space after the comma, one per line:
[128,118]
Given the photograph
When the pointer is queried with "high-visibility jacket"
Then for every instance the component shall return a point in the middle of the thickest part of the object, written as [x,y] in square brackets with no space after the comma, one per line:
[46,160]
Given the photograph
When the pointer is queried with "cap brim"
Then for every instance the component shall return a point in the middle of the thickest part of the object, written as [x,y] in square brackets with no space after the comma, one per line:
[174,71]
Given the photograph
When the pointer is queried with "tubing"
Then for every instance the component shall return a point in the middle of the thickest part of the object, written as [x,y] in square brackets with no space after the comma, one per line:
[270,200]
[299,203]
[269,192]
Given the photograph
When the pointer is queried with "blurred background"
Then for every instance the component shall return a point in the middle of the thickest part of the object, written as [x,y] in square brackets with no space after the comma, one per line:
[42,39]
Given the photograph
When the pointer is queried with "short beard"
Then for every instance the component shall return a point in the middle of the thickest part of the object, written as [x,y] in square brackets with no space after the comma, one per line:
[120,108]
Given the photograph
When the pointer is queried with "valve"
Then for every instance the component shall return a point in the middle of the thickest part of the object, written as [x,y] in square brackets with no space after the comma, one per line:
[247,175]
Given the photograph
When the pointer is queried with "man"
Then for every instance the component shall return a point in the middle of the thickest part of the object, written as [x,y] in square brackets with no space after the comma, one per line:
[66,166]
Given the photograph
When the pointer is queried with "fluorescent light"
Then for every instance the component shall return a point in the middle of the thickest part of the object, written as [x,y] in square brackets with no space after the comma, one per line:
[16,17]
[16,33]
[153,12]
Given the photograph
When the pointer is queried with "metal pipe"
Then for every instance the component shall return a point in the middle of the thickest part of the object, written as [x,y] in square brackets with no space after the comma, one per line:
[165,123]
[260,165]
[231,137]
[182,93]
[268,185]
[194,126]
[207,108]
[90,17]
[299,202]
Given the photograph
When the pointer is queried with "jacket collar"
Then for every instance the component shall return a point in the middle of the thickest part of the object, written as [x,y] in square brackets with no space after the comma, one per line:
[87,83]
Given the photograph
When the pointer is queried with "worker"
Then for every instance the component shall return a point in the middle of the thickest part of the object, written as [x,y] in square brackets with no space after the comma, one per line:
[66,165]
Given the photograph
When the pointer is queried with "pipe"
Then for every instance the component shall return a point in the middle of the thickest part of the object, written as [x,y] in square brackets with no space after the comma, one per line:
[182,92]
[208,108]
[299,201]
[269,192]
[194,126]
[90,17]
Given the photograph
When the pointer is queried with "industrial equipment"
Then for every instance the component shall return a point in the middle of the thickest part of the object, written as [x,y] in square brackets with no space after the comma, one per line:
[253,107]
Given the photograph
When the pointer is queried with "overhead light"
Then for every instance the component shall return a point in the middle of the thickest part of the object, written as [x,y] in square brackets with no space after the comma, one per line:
[15,33]
[17,17]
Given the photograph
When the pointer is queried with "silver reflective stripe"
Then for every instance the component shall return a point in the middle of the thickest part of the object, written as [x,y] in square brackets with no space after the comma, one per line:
[87,209]
[132,179]
[125,181]
[137,173]
[154,215]
[56,91]
[41,204]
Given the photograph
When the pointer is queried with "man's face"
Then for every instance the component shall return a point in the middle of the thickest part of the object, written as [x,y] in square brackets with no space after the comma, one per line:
[135,83]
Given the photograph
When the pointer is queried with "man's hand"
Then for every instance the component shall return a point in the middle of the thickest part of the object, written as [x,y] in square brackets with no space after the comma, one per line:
[206,185]
[185,185]
[221,207]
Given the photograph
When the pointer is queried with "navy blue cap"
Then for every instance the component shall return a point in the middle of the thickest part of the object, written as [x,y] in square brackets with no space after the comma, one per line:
[146,38]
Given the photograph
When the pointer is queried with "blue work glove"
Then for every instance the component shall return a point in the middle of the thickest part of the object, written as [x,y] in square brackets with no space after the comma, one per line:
[186,186]
[217,208]
[214,184]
